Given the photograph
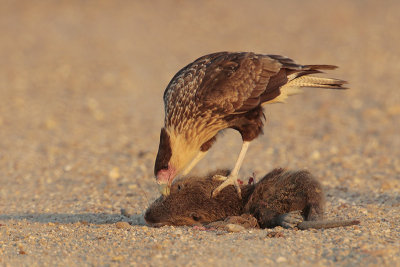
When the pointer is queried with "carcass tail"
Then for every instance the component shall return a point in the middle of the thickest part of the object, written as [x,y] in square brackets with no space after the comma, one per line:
[296,79]
[326,224]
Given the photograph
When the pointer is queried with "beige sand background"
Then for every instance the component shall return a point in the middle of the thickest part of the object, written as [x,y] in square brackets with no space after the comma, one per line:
[81,86]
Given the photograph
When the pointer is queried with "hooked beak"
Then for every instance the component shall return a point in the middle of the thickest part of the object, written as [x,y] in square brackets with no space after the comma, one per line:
[164,180]
[165,189]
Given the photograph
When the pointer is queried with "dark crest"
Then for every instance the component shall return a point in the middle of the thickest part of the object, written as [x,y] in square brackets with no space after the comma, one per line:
[164,152]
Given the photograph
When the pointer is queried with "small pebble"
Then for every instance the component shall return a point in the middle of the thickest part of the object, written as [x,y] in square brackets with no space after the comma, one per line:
[275,234]
[234,228]
[315,155]
[114,173]
[67,168]
[117,258]
[281,259]
[122,225]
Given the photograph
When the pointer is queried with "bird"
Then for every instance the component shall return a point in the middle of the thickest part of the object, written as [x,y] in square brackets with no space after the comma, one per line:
[225,90]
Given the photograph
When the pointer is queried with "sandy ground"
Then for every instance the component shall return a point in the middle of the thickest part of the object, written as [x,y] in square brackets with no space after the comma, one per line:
[81,107]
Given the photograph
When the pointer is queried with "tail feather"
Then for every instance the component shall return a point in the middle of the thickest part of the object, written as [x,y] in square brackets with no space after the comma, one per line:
[297,79]
[312,81]
[320,67]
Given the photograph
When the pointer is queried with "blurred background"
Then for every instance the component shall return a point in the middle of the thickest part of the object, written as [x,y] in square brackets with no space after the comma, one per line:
[81,86]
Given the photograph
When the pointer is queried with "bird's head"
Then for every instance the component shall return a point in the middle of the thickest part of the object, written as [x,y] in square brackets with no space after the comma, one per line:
[174,154]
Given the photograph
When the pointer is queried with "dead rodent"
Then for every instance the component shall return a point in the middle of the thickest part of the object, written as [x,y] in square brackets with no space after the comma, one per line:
[285,198]
[190,202]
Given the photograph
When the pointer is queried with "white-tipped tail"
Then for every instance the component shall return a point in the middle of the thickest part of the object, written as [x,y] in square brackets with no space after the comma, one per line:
[303,78]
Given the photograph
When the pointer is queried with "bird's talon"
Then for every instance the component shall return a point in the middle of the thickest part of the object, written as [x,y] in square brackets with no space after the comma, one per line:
[227,181]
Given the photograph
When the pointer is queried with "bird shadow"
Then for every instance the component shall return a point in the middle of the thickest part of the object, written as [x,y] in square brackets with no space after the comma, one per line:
[64,218]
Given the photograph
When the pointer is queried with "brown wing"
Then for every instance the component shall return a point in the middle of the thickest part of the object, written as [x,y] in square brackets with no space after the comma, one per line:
[239,82]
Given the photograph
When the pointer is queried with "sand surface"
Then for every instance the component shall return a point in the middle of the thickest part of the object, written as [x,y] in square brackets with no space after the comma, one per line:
[81,86]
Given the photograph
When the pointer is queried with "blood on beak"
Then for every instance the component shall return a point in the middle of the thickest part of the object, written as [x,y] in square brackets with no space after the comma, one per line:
[164,180]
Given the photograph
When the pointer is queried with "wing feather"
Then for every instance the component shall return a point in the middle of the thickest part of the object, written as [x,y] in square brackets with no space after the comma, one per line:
[234,82]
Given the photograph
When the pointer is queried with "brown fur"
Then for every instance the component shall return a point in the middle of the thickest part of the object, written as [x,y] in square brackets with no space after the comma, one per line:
[280,192]
[190,202]
[269,201]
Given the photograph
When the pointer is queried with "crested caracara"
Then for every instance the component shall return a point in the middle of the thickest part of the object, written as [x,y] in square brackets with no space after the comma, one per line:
[219,91]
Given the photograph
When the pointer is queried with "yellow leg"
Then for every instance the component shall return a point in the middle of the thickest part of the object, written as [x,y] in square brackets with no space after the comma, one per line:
[232,178]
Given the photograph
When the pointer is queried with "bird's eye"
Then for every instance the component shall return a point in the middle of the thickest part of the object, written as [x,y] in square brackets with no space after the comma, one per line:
[180,187]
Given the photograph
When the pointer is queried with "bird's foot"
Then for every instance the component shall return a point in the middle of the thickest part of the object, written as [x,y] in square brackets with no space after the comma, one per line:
[230,180]
[291,219]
